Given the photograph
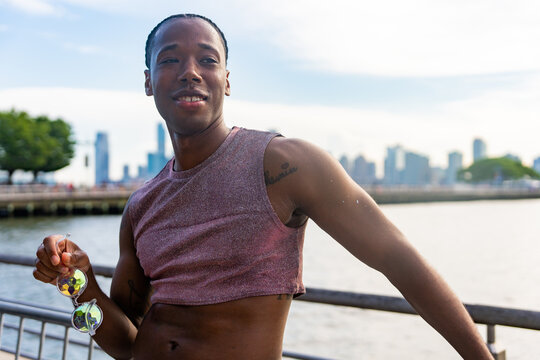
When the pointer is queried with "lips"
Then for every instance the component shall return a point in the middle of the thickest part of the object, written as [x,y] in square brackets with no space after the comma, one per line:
[190,98]
[189,95]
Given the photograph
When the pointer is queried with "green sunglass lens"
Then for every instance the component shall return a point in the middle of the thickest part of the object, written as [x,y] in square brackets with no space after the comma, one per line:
[72,283]
[87,317]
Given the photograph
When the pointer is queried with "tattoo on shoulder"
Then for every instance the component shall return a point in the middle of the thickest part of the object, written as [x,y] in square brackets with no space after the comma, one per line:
[284,296]
[286,170]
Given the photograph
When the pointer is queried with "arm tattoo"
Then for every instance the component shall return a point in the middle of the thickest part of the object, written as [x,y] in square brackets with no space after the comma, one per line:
[286,170]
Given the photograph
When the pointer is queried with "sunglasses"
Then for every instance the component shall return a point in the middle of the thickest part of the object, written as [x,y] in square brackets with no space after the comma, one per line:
[87,316]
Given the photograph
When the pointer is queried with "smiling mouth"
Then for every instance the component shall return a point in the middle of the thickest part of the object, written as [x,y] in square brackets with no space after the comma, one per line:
[191,98]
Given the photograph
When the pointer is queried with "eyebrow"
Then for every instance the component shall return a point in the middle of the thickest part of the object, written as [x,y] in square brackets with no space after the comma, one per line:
[201,45]
[207,47]
[167,48]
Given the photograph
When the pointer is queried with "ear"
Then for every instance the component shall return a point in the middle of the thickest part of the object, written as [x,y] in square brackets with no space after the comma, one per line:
[147,83]
[227,84]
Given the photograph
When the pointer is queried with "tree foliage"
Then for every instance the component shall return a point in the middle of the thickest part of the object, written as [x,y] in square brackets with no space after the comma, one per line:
[34,144]
[494,170]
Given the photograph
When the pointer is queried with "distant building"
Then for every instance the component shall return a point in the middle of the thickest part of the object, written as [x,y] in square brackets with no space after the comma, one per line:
[363,171]
[455,163]
[141,172]
[513,157]
[417,171]
[437,175]
[479,149]
[536,164]
[102,158]
[394,163]
[156,161]
[344,161]
[161,139]
[125,174]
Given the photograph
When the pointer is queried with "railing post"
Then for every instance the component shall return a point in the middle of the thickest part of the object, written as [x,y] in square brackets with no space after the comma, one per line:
[19,338]
[41,340]
[498,354]
[66,342]
[91,348]
[1,326]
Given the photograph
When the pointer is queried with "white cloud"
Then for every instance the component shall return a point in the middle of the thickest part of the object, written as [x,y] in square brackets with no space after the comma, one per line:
[36,7]
[384,38]
[3,27]
[507,120]
[83,49]
[402,38]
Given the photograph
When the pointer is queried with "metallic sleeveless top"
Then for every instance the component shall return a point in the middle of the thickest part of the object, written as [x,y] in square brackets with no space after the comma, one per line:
[209,234]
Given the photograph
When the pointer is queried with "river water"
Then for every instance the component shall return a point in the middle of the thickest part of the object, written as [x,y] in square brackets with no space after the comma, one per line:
[489,252]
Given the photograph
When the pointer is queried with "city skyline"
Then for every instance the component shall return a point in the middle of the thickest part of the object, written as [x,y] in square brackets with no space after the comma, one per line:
[480,77]
[401,165]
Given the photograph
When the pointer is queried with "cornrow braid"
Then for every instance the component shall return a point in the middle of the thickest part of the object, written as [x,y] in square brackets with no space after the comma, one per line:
[152,35]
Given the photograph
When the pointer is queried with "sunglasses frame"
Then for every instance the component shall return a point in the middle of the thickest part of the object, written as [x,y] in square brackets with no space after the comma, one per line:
[89,323]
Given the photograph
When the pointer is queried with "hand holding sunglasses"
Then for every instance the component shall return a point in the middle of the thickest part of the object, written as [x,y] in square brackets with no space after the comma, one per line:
[87,316]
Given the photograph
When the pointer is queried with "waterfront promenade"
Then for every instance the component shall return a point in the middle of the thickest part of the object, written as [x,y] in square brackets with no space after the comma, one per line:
[46,200]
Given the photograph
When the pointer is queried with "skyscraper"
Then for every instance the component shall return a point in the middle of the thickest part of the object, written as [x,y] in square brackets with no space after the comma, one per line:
[344,161]
[394,163]
[102,158]
[536,164]
[157,160]
[363,171]
[161,140]
[455,163]
[417,170]
[479,149]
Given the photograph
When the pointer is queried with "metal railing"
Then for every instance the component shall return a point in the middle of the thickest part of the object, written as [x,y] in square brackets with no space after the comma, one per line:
[481,314]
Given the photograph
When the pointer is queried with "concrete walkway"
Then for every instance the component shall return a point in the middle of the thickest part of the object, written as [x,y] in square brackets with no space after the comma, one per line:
[8,356]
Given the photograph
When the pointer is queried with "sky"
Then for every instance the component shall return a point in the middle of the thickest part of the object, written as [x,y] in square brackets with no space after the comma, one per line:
[353,77]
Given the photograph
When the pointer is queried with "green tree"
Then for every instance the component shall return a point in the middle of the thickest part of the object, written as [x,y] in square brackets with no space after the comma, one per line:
[33,144]
[59,144]
[496,170]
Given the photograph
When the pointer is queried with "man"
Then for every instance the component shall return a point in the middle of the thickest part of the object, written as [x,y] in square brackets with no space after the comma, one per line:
[215,240]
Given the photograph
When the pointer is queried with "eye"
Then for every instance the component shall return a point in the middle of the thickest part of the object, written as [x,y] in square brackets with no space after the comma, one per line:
[168,61]
[209,60]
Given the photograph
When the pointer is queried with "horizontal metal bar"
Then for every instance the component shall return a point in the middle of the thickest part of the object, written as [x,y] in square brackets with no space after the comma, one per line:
[39,306]
[358,300]
[293,355]
[23,354]
[102,270]
[35,313]
[482,314]
[49,336]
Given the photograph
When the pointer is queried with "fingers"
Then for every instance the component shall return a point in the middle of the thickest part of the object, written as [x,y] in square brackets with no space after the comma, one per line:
[51,249]
[48,265]
[45,274]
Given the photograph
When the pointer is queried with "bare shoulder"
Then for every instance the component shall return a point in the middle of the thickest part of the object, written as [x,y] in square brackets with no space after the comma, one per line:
[288,158]
[301,168]
[297,152]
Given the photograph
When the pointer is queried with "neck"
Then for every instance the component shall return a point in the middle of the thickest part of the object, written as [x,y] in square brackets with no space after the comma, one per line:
[191,150]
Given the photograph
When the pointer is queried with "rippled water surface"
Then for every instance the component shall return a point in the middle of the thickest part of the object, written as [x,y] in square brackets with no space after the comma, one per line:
[489,252]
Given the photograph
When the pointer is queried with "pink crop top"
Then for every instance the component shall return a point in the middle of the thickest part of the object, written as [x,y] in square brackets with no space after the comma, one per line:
[209,234]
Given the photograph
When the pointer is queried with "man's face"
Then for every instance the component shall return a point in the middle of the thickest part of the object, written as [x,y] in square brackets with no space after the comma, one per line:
[187,75]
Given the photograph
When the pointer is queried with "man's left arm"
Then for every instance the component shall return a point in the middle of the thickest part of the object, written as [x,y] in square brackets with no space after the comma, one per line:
[322,190]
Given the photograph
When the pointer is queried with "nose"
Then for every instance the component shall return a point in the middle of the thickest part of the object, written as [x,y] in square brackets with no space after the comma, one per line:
[189,72]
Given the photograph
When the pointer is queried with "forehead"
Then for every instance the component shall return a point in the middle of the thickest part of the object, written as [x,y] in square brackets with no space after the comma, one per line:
[186,31]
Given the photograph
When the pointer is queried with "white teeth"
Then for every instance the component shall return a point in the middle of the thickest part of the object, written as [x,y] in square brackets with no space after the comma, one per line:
[190,98]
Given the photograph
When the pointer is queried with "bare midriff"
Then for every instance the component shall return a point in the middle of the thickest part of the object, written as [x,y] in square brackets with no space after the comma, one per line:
[250,328]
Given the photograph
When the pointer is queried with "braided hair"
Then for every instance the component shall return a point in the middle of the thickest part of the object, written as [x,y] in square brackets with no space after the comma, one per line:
[152,35]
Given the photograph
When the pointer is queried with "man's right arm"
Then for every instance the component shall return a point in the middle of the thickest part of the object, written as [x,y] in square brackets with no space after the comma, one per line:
[130,289]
